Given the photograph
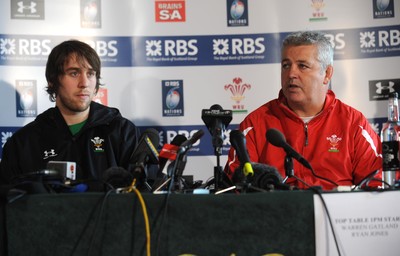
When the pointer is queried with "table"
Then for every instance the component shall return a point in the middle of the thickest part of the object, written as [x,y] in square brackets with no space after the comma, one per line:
[113,224]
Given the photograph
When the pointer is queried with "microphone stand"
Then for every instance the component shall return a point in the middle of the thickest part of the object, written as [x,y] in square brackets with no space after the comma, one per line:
[216,119]
[141,170]
[175,181]
[289,171]
[217,168]
[177,178]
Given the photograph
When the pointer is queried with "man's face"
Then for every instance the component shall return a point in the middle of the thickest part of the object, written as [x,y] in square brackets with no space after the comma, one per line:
[77,86]
[302,80]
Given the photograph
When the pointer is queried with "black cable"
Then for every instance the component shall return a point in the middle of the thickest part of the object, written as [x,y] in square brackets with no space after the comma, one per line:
[329,218]
[163,218]
[98,220]
[323,178]
[88,222]
[387,184]
[318,192]
[365,181]
[302,181]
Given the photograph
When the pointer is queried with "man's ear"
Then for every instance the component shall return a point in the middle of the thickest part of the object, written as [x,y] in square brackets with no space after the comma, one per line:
[328,74]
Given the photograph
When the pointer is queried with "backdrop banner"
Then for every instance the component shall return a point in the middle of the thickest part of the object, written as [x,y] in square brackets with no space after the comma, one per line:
[164,61]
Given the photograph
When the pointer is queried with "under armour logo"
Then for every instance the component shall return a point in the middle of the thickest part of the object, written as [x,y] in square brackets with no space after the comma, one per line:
[49,153]
[22,7]
[381,87]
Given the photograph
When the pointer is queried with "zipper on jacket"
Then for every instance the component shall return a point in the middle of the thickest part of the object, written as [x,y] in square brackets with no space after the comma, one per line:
[306,133]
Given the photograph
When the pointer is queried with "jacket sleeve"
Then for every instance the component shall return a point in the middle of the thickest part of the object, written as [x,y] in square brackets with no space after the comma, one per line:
[128,141]
[368,154]
[8,168]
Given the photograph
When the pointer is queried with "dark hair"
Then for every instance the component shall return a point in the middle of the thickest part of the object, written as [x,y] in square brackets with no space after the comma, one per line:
[60,55]
[325,49]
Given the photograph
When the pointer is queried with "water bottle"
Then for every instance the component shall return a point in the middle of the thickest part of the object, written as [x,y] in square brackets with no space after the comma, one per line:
[390,137]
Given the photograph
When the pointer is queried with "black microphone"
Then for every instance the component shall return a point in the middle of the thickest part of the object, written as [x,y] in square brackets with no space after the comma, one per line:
[216,119]
[276,138]
[265,177]
[117,177]
[176,168]
[185,146]
[169,151]
[145,153]
[238,142]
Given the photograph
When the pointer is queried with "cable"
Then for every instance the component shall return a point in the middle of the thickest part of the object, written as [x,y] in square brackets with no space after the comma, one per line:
[98,220]
[164,216]
[365,181]
[329,218]
[326,210]
[88,222]
[145,215]
[323,178]
[302,181]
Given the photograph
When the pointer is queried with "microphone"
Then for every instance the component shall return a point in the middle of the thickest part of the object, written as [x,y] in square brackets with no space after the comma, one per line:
[238,142]
[180,161]
[276,138]
[186,145]
[216,119]
[65,168]
[169,151]
[117,177]
[265,177]
[145,152]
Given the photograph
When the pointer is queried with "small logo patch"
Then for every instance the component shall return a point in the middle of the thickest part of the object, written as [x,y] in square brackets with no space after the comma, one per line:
[334,141]
[98,144]
[49,153]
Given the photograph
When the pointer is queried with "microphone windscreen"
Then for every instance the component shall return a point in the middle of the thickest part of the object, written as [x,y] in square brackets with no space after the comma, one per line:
[117,177]
[265,177]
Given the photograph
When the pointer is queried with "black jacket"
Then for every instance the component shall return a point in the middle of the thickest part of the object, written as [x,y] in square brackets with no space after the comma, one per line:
[106,140]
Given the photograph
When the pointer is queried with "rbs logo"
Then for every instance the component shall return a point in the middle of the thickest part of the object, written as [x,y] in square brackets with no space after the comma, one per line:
[178,47]
[389,38]
[238,46]
[103,48]
[337,40]
[170,11]
[247,46]
[24,46]
[34,47]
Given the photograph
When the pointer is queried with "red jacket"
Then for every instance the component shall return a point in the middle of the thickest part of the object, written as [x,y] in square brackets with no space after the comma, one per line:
[339,143]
